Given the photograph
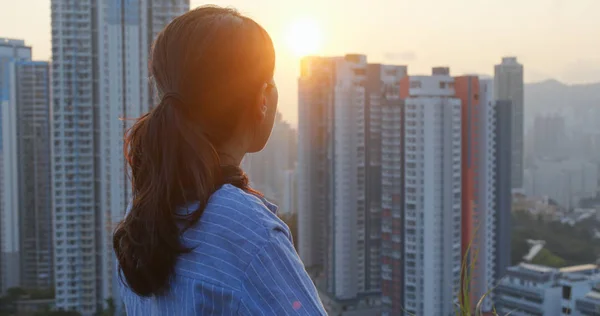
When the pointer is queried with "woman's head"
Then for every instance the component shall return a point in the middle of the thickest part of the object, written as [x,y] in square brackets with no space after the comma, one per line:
[213,72]
[221,64]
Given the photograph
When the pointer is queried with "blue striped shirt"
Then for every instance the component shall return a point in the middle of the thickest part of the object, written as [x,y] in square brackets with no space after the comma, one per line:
[243,263]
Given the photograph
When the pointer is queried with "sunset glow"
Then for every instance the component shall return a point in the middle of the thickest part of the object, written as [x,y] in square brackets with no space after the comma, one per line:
[304,37]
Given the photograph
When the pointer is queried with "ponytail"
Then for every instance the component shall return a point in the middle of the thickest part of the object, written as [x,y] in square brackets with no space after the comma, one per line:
[172,163]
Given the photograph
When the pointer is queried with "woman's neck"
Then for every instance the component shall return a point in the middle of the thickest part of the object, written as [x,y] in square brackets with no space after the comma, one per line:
[231,156]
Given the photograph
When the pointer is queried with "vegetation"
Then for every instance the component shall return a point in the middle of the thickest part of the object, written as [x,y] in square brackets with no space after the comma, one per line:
[8,302]
[546,258]
[565,244]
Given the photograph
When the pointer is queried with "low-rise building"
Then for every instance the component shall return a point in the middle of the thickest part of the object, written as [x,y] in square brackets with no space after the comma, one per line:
[589,304]
[576,282]
[534,290]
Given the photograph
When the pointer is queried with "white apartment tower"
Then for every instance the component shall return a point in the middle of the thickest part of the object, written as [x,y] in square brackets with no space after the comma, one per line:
[421,165]
[339,171]
[348,178]
[100,55]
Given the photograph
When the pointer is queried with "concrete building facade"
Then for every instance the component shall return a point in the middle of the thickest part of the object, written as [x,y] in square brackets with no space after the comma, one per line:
[508,85]
[422,186]
[533,290]
[27,174]
[11,50]
[339,172]
[100,77]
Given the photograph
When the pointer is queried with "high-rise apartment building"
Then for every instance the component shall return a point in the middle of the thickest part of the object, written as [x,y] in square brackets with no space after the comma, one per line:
[27,174]
[11,51]
[100,51]
[503,186]
[483,187]
[508,86]
[392,203]
[474,228]
[421,228]
[315,138]
[382,85]
[339,171]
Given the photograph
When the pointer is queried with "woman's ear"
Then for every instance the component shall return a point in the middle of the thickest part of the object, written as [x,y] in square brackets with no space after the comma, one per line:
[263,101]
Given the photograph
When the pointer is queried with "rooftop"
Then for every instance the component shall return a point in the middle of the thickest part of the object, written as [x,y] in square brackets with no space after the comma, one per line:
[535,268]
[584,268]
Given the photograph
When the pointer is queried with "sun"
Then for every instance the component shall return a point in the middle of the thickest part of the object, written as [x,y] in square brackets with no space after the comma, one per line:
[304,37]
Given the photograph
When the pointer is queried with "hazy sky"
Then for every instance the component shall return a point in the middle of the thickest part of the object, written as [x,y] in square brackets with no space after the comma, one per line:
[553,38]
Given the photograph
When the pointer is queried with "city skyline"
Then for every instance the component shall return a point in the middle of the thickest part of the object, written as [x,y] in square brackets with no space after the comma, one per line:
[536,34]
[392,179]
[401,177]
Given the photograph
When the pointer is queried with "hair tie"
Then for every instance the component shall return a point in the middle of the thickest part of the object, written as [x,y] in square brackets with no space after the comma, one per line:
[172,95]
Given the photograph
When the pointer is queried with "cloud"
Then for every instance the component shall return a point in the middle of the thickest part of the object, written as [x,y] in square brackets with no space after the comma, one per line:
[408,55]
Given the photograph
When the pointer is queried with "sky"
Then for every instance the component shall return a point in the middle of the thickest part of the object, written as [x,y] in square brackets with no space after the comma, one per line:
[554,39]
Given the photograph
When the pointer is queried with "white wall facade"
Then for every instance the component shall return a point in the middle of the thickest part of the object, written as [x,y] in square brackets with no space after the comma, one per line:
[529,290]
[538,290]
[349,199]
[432,195]
[73,157]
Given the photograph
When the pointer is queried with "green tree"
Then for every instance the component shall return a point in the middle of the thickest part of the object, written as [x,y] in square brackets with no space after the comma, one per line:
[547,258]
[15,292]
[573,244]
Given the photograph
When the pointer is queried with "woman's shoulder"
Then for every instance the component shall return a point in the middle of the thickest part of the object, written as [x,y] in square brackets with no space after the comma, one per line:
[235,214]
[234,227]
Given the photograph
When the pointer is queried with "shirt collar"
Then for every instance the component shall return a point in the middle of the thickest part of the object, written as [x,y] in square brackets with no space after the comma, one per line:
[191,207]
[271,206]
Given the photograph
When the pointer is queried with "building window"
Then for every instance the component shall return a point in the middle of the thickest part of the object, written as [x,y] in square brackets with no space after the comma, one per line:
[415,84]
[566,292]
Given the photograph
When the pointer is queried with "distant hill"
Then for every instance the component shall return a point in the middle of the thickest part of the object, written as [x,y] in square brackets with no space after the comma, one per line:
[553,95]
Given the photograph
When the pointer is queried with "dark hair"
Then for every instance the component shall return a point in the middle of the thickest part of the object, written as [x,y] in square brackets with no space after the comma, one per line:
[208,66]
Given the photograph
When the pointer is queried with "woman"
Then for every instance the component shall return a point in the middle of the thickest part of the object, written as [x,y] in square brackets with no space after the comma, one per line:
[197,239]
